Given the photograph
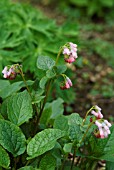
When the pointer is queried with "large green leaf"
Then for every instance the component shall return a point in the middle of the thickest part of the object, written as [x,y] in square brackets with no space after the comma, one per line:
[103,148]
[19,108]
[48,162]
[43,141]
[45,62]
[4,158]
[12,138]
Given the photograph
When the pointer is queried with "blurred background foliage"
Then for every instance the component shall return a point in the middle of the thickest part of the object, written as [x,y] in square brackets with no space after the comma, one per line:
[27,32]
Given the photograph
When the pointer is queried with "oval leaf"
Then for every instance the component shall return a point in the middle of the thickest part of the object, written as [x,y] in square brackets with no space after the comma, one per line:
[11,138]
[19,108]
[45,62]
[4,158]
[43,141]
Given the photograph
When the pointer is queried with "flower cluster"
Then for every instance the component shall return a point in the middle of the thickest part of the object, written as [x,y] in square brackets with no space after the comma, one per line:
[103,125]
[10,72]
[97,112]
[66,84]
[70,52]
[103,128]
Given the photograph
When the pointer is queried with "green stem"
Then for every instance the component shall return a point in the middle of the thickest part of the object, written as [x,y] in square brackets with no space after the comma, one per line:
[59,53]
[71,168]
[45,99]
[23,77]
[15,163]
[87,114]
[86,132]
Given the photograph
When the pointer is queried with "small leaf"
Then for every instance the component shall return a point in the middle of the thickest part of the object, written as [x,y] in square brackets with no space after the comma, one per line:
[45,62]
[50,73]
[12,138]
[43,142]
[43,82]
[67,147]
[19,108]
[48,162]
[4,158]
[60,69]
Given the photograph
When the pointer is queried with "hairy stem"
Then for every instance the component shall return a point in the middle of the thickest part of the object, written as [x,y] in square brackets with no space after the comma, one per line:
[87,115]
[86,132]
[45,99]
[23,77]
[59,53]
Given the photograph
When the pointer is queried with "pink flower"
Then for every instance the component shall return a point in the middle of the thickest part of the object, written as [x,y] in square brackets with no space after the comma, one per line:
[97,108]
[66,51]
[103,129]
[101,133]
[9,73]
[98,124]
[69,81]
[69,60]
[5,72]
[67,84]
[70,52]
[107,123]
[94,113]
[97,113]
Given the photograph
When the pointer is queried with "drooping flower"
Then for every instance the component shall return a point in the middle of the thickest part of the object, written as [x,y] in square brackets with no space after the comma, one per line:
[66,84]
[103,129]
[97,112]
[70,52]
[10,72]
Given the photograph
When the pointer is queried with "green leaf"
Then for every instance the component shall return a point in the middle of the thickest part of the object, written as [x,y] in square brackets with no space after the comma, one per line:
[57,107]
[50,73]
[43,142]
[4,158]
[43,82]
[45,62]
[103,149]
[12,138]
[46,115]
[48,162]
[19,108]
[60,69]
[109,165]
[67,147]
[75,131]
[61,122]
[12,88]
[3,84]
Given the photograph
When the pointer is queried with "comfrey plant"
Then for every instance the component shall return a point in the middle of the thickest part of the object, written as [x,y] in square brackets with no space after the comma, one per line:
[36,135]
